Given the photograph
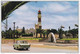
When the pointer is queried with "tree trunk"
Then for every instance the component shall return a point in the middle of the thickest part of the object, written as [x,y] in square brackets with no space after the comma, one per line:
[40,35]
[36,35]
[47,35]
[44,35]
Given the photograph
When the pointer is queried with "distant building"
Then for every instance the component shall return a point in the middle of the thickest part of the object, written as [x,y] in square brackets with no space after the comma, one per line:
[19,30]
[31,30]
[27,31]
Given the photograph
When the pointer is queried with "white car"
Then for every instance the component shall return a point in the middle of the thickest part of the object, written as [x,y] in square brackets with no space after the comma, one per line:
[21,45]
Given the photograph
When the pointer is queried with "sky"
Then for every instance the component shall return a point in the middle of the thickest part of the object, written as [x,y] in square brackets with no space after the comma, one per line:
[53,15]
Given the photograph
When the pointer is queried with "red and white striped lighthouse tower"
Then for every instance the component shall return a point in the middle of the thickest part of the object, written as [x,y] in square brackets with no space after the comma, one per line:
[38,26]
[39,19]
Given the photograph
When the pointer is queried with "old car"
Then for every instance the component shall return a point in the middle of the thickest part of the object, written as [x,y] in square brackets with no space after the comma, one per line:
[21,45]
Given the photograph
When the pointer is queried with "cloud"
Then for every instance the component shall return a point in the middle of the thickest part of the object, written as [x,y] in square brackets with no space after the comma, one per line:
[23,17]
[57,7]
[56,21]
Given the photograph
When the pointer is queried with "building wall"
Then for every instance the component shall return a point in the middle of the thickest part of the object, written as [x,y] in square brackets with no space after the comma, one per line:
[27,31]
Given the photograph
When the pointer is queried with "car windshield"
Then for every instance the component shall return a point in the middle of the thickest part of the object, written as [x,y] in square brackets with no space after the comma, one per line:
[22,41]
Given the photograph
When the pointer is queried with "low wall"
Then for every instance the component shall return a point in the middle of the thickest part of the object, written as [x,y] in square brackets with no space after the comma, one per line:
[67,41]
[4,41]
[11,41]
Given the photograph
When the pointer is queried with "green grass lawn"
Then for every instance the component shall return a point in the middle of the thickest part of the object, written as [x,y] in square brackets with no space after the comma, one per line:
[69,39]
[41,39]
[26,39]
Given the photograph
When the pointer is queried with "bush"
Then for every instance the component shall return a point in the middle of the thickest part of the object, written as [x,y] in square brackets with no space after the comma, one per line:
[24,35]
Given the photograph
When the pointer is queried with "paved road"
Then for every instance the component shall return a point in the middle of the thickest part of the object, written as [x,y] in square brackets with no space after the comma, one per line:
[6,48]
[53,44]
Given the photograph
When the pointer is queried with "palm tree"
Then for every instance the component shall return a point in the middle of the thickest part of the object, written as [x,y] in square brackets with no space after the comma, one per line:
[60,33]
[47,32]
[39,31]
[74,32]
[3,34]
[44,32]
[10,32]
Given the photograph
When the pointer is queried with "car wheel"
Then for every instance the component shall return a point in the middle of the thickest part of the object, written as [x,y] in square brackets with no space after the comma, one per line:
[14,48]
[26,48]
[17,48]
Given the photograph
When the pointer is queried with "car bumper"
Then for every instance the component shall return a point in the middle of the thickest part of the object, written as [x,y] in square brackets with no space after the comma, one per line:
[23,47]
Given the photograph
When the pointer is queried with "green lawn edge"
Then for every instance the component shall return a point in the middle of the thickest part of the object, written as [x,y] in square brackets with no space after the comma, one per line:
[69,39]
[24,39]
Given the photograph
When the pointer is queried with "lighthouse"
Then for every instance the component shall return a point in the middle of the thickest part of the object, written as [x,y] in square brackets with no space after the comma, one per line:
[38,26]
[39,19]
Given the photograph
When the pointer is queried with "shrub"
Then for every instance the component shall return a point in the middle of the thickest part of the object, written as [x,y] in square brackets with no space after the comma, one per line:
[26,35]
